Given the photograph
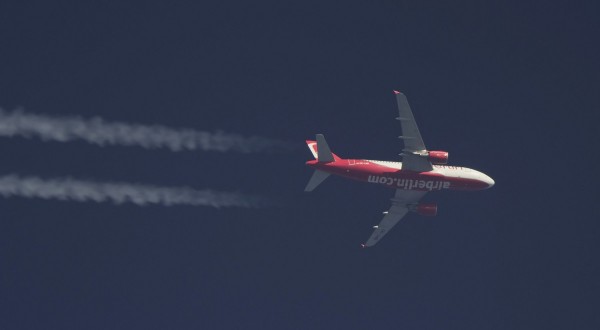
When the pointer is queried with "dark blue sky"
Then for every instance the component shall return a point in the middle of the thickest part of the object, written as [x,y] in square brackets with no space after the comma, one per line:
[511,90]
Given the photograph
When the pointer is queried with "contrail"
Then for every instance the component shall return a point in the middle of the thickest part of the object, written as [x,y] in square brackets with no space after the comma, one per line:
[100,132]
[119,193]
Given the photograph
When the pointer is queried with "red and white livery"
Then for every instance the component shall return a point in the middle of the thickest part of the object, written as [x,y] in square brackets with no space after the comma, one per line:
[419,172]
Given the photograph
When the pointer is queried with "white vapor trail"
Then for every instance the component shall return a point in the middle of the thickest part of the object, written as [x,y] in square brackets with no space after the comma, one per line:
[100,132]
[118,193]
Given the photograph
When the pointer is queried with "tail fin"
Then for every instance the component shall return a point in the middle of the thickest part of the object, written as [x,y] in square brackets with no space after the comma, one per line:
[322,153]
[320,150]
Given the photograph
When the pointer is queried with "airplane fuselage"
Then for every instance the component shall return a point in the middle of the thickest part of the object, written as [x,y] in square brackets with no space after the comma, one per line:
[421,170]
[391,175]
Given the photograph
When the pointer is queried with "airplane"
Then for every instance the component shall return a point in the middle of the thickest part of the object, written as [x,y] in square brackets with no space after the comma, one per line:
[420,171]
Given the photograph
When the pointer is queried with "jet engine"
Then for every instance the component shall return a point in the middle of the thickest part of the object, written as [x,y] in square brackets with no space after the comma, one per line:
[426,209]
[438,157]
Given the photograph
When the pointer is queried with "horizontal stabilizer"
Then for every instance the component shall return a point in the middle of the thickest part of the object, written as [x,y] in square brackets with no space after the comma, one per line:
[316,179]
[324,153]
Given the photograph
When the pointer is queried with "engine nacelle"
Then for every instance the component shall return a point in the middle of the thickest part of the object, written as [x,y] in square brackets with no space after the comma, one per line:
[438,157]
[426,209]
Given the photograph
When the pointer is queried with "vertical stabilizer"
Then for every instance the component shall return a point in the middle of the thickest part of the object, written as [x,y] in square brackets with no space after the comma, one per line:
[312,146]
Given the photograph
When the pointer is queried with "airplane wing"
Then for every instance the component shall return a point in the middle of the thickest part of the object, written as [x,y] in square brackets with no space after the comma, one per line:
[413,142]
[400,206]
